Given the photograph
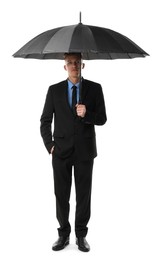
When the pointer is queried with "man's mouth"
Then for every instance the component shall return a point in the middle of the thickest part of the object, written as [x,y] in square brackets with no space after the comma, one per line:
[75,70]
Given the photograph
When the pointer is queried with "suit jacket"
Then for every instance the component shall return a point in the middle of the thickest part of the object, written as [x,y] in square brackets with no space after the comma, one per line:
[71,132]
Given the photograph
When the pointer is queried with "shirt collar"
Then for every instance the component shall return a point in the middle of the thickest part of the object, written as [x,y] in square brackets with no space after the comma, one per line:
[70,84]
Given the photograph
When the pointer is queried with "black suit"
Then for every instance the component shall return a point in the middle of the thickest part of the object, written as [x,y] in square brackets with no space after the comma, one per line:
[75,145]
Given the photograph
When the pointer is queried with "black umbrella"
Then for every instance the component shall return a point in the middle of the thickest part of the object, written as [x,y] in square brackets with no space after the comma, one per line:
[91,41]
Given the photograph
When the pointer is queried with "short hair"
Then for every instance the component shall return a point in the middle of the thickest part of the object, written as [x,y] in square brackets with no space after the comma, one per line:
[79,54]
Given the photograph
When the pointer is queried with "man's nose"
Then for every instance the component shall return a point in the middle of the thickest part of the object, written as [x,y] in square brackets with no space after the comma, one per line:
[75,63]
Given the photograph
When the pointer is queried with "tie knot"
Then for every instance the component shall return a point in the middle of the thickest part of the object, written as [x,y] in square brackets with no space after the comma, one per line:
[74,87]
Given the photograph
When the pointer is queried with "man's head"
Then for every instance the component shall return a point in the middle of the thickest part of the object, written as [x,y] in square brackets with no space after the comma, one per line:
[73,64]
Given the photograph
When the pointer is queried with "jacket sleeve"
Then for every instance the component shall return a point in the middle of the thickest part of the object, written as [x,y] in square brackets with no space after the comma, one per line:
[98,116]
[46,120]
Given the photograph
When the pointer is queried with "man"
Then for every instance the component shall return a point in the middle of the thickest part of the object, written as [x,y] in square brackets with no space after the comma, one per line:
[72,145]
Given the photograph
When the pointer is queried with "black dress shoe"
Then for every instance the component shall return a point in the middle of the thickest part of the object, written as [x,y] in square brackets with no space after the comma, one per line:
[61,243]
[82,244]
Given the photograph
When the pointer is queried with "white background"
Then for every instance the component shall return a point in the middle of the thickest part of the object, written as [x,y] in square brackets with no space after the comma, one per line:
[125,197]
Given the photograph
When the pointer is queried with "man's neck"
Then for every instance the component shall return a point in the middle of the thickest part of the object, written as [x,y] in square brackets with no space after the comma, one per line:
[74,80]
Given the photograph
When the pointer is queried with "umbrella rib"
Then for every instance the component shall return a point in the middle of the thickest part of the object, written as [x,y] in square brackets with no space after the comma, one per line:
[116,41]
[109,54]
[60,40]
[46,45]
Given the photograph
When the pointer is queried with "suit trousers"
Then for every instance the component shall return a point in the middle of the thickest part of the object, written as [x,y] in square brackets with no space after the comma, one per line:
[62,172]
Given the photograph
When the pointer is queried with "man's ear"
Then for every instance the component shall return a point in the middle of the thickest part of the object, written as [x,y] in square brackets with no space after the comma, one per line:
[65,67]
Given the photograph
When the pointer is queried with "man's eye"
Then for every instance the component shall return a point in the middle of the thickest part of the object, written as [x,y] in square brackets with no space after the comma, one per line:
[73,62]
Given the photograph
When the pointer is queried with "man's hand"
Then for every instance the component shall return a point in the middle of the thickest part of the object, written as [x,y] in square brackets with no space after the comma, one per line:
[81,110]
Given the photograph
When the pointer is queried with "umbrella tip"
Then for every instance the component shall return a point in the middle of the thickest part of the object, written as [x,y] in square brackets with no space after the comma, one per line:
[80,17]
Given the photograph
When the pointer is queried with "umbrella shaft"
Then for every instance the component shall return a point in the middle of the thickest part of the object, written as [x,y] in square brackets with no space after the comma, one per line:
[80,86]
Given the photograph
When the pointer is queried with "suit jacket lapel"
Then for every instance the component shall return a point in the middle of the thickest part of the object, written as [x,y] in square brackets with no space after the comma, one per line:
[84,90]
[65,96]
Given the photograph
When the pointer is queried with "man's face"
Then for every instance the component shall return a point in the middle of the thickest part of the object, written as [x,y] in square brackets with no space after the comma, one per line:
[72,65]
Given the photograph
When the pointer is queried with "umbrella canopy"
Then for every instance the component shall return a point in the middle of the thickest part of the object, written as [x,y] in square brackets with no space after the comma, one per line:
[91,41]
